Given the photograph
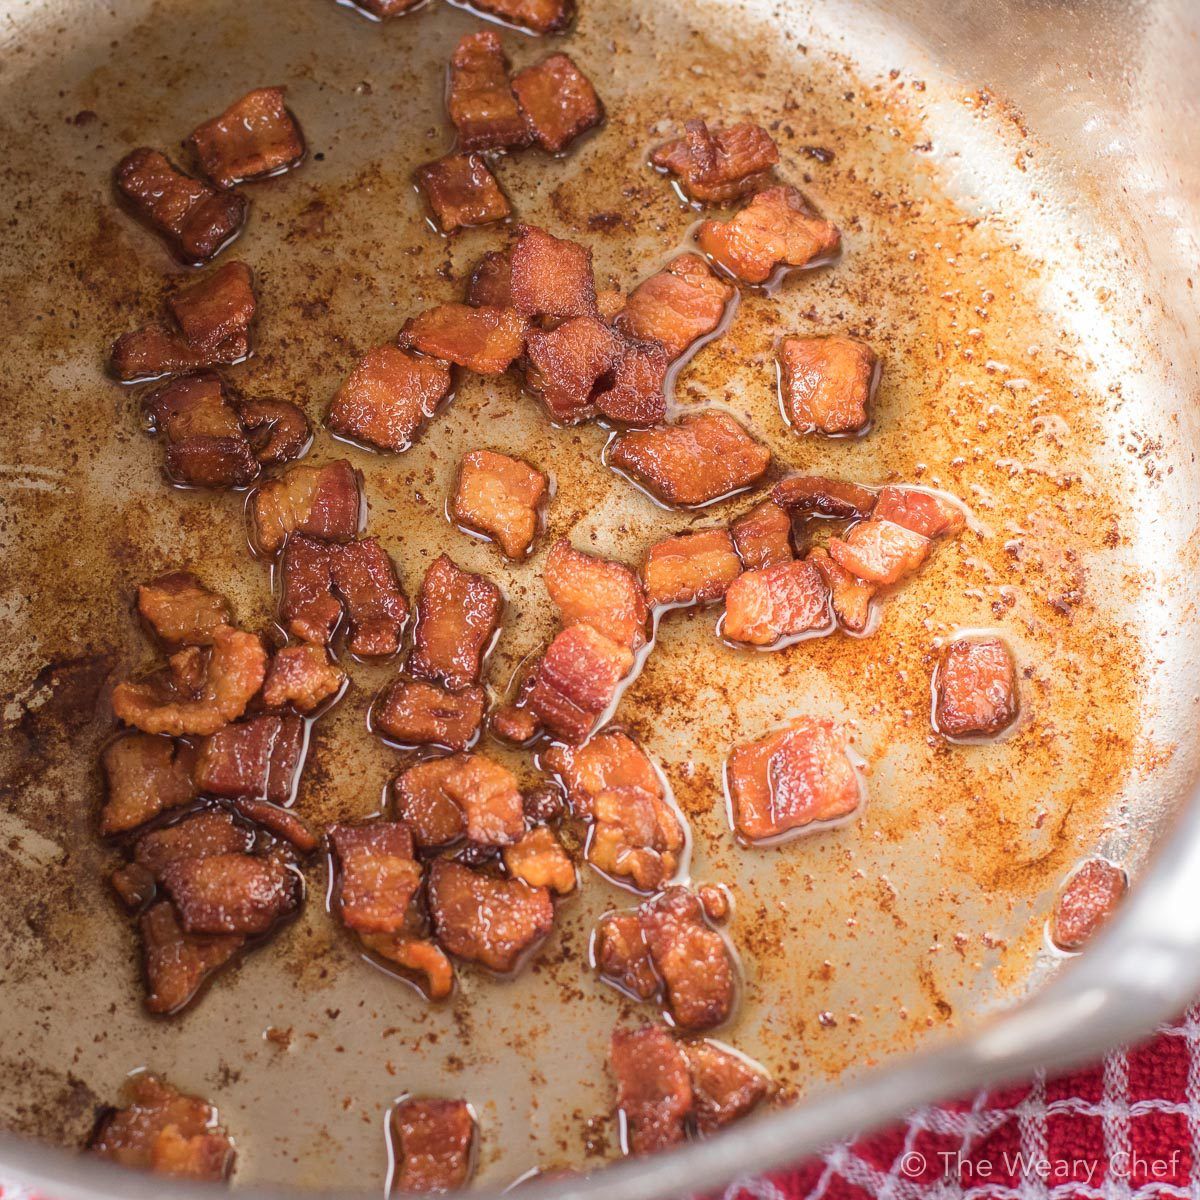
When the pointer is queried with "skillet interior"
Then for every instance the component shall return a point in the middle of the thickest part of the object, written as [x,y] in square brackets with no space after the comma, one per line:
[1007,341]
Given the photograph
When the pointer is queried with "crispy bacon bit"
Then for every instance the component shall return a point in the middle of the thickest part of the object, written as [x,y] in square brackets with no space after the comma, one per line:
[544,803]
[433,1140]
[763,536]
[260,757]
[827,383]
[541,861]
[416,954]
[491,281]
[725,1085]
[145,775]
[499,496]
[765,606]
[484,340]
[199,835]
[462,192]
[488,796]
[559,102]
[608,762]
[134,885]
[568,364]
[575,681]
[232,676]
[181,610]
[684,302]
[164,1131]
[418,713]
[880,551]
[637,837]
[484,919]
[206,445]
[1086,902]
[776,229]
[388,397]
[303,677]
[320,502]
[387,8]
[654,1088]
[458,614]
[513,723]
[178,963]
[421,801]
[849,596]
[637,395]
[790,778]
[718,165]
[922,512]
[364,580]
[541,16]
[280,821]
[691,568]
[595,591]
[815,495]
[975,688]
[278,431]
[155,351]
[622,956]
[231,893]
[196,221]
[254,137]
[377,875]
[480,97]
[217,307]
[551,277]
[705,457]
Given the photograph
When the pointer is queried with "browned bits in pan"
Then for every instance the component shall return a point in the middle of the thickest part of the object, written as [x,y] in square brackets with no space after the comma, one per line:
[145,776]
[849,597]
[791,778]
[827,383]
[433,1142]
[388,398]
[301,676]
[261,757]
[500,497]
[559,102]
[677,306]
[377,875]
[773,604]
[462,192]
[540,16]
[458,614]
[1087,901]
[691,568]
[254,137]
[162,1130]
[718,165]
[415,712]
[320,502]
[763,536]
[551,277]
[480,99]
[482,339]
[975,688]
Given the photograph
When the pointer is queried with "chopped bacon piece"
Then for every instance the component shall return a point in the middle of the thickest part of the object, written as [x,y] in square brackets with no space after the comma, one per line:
[691,568]
[541,16]
[320,502]
[541,861]
[484,340]
[215,308]
[575,681]
[765,606]
[551,277]
[418,713]
[458,614]
[725,1085]
[164,1131]
[1086,902]
[880,551]
[776,229]
[198,835]
[155,351]
[608,762]
[254,137]
[654,1088]
[178,963]
[763,536]
[260,757]
[212,462]
[232,676]
[480,97]
[568,364]
[622,956]
[462,192]
[684,302]
[788,779]
[488,796]
[377,875]
[975,688]
[849,596]
[278,431]
[364,580]
[195,220]
[922,512]
[388,397]
[303,677]
[559,102]
[637,837]
[637,395]
[422,802]
[279,821]
[513,723]
[815,495]
[181,610]
[416,954]
[145,775]
[499,496]
[485,919]
[705,457]
[827,383]
[231,893]
[718,165]
[433,1141]
[544,803]
[595,591]
[386,8]
[491,281]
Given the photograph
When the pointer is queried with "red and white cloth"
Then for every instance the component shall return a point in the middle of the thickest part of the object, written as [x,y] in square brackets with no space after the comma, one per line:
[1128,1129]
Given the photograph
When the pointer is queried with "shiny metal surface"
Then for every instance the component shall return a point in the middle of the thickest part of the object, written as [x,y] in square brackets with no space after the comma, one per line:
[1075,123]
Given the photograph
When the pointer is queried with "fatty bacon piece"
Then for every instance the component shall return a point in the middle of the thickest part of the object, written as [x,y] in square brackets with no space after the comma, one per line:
[500,497]
[462,192]
[433,1142]
[718,165]
[559,102]
[256,136]
[479,96]
[676,307]
[975,688]
[458,614]
[464,795]
[538,16]
[319,502]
